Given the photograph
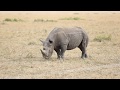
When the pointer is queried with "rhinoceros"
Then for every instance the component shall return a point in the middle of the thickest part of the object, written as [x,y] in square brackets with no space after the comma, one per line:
[62,39]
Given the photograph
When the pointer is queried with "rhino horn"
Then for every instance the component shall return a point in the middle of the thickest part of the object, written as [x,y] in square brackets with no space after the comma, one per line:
[43,53]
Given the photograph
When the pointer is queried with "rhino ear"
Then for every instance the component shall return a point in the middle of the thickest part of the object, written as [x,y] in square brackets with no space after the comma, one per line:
[50,41]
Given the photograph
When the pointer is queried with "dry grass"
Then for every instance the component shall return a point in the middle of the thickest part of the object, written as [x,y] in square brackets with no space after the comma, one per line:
[20,55]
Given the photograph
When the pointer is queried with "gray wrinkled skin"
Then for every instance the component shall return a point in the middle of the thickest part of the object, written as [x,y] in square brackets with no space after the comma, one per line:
[62,39]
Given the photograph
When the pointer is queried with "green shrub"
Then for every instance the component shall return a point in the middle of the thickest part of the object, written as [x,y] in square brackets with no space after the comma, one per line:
[50,21]
[15,20]
[102,38]
[12,20]
[38,20]
[70,18]
[76,18]
[8,19]
[42,20]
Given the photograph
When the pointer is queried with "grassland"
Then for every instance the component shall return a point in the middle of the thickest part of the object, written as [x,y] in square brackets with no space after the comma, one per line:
[20,55]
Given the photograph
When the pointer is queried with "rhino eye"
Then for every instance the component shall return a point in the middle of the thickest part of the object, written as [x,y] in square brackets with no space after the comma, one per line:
[50,41]
[43,48]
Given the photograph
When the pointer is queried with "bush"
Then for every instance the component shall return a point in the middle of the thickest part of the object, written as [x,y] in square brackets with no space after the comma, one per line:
[8,19]
[38,20]
[51,21]
[70,18]
[102,38]
[76,18]
[13,20]
[42,20]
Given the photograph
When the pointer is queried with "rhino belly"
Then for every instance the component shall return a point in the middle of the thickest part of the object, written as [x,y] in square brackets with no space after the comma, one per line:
[74,41]
[72,45]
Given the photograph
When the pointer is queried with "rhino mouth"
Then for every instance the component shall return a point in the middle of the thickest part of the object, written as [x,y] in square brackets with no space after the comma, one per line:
[44,55]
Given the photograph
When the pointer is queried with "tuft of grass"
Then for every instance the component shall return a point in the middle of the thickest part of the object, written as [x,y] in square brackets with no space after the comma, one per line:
[71,18]
[31,43]
[76,18]
[3,23]
[12,20]
[42,20]
[102,38]
[51,21]
[45,30]
[29,55]
[38,20]
[8,19]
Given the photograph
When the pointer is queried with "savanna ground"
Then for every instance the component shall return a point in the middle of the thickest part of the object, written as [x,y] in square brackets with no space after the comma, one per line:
[20,55]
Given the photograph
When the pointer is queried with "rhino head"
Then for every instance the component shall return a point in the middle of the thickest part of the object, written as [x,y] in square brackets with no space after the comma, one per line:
[48,48]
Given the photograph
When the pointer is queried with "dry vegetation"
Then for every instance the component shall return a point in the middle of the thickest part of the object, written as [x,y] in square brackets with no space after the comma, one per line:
[20,55]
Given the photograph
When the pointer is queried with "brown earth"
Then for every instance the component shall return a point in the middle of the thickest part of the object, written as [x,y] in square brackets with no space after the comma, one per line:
[20,55]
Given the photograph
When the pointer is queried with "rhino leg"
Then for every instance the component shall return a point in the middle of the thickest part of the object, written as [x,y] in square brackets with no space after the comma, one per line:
[86,55]
[58,53]
[82,47]
[63,49]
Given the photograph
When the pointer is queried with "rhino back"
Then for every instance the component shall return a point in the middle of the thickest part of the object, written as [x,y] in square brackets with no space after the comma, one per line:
[52,34]
[72,37]
[75,37]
